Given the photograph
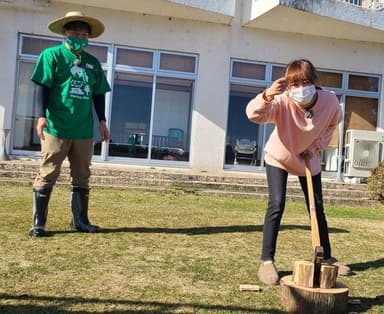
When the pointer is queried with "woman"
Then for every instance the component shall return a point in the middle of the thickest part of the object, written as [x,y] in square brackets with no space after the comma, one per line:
[305,117]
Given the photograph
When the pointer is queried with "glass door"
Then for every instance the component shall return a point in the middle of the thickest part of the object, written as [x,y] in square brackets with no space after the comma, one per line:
[171,119]
[131,115]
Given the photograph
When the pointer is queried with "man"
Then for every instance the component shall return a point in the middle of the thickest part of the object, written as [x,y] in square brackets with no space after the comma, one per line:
[69,82]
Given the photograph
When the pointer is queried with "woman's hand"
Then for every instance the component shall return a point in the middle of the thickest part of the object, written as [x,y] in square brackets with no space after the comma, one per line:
[307,154]
[278,87]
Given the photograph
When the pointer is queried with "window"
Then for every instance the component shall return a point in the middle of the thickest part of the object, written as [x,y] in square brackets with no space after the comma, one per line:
[361,113]
[363,83]
[244,139]
[248,70]
[171,119]
[277,72]
[25,136]
[134,58]
[177,62]
[330,79]
[131,115]
[34,45]
[100,52]
[151,111]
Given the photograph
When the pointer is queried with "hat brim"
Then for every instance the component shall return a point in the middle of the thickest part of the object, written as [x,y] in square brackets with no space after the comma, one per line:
[57,26]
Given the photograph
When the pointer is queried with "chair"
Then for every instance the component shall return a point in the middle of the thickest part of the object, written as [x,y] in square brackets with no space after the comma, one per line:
[246,149]
[176,138]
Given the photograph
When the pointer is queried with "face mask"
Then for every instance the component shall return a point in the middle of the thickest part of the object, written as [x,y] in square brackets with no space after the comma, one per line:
[302,95]
[76,43]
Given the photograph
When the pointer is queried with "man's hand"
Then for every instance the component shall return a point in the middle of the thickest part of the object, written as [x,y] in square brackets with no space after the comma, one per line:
[104,133]
[278,87]
[41,124]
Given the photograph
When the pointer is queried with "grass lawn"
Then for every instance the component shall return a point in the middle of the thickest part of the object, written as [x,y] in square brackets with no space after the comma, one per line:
[170,253]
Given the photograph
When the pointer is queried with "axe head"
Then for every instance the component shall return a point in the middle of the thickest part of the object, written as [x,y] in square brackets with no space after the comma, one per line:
[318,257]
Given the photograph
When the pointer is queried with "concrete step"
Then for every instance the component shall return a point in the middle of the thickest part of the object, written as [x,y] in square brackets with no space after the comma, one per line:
[250,185]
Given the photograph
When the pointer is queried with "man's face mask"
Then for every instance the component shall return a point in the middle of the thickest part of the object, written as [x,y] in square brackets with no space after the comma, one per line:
[302,95]
[77,43]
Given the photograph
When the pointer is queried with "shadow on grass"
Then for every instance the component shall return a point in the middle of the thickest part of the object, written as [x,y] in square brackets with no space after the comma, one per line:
[370,264]
[144,307]
[210,229]
[194,230]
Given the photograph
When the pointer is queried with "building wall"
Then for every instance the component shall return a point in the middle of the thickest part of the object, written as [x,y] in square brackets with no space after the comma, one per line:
[214,43]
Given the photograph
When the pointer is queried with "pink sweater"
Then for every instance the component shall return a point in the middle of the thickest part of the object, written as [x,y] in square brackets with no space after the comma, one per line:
[293,133]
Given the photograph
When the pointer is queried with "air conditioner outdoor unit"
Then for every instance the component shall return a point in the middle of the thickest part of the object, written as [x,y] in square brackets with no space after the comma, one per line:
[363,152]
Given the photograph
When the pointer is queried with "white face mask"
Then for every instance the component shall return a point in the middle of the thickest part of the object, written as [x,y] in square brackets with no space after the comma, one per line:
[302,95]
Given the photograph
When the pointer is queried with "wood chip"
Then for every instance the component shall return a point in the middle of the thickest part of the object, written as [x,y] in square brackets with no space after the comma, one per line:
[247,287]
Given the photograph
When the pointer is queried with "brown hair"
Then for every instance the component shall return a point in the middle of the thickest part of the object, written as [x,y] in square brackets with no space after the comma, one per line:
[300,70]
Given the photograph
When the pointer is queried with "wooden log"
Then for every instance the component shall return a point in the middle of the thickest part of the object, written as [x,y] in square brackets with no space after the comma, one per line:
[303,272]
[328,276]
[303,300]
[249,287]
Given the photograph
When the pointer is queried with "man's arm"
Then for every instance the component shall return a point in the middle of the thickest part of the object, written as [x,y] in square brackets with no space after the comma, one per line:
[99,104]
[41,101]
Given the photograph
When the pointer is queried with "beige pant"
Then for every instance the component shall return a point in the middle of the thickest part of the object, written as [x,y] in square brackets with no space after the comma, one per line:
[53,152]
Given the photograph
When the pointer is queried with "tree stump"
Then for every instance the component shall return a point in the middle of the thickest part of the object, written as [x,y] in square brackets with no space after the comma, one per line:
[303,300]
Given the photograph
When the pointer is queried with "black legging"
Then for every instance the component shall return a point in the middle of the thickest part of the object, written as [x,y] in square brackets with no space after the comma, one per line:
[277,186]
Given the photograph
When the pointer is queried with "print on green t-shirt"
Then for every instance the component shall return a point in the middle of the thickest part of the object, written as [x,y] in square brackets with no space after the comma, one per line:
[72,82]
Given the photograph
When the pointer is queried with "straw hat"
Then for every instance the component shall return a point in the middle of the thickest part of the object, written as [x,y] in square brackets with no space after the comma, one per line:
[57,26]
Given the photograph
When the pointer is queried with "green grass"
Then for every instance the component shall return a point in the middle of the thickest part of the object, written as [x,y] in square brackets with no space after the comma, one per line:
[170,253]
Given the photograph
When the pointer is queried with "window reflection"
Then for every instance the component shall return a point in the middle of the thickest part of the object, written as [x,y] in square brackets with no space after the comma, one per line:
[131,113]
[171,121]
[330,79]
[364,83]
[244,138]
[135,58]
[33,46]
[25,136]
[248,70]
[277,72]
[181,63]
[100,52]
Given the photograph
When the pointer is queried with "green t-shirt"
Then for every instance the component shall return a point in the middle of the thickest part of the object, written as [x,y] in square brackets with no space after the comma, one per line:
[69,111]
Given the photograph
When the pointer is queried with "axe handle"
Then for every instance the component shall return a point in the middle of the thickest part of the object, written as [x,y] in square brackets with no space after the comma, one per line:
[312,207]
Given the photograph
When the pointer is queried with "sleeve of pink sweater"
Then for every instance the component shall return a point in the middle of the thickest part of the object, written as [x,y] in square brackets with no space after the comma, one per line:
[294,133]
[261,111]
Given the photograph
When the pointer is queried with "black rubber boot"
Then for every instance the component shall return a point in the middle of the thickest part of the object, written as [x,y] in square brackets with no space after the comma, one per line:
[40,211]
[79,205]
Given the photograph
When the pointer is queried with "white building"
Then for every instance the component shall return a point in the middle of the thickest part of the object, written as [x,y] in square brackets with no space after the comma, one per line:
[182,72]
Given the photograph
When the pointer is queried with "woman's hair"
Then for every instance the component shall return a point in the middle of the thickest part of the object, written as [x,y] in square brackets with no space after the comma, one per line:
[299,71]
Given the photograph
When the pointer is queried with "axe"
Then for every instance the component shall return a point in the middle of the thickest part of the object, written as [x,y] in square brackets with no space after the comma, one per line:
[318,254]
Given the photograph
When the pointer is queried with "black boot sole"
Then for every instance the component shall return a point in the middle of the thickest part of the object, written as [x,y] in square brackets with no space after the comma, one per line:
[37,233]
